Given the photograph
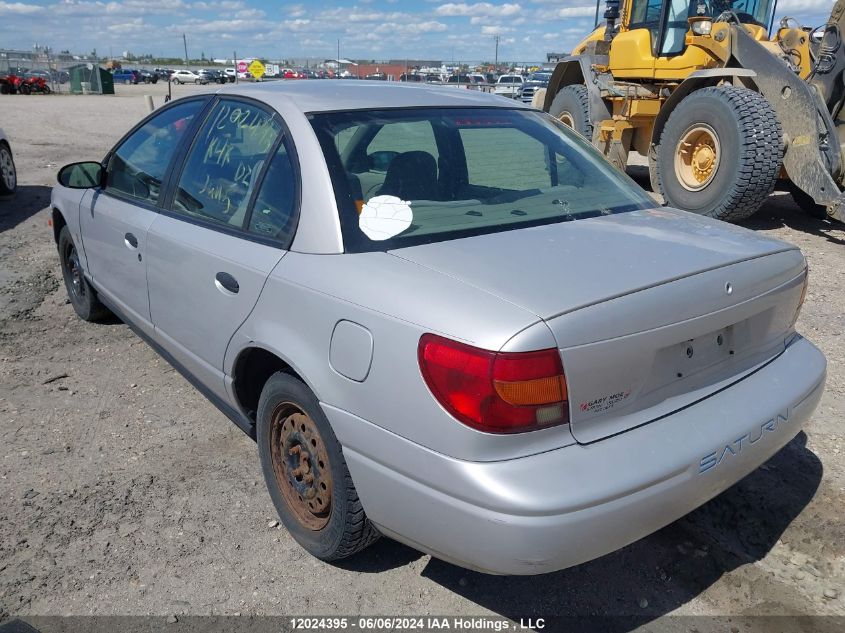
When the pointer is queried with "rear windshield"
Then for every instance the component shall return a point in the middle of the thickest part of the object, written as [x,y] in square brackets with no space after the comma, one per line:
[414,176]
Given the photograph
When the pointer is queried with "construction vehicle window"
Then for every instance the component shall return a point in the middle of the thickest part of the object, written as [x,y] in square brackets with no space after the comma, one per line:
[674,35]
[646,14]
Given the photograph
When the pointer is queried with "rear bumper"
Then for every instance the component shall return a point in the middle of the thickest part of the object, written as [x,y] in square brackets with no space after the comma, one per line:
[560,508]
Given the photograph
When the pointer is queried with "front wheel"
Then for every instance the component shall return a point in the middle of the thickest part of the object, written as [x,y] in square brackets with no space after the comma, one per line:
[197,81]
[82,296]
[306,473]
[571,106]
[25,89]
[8,173]
[720,153]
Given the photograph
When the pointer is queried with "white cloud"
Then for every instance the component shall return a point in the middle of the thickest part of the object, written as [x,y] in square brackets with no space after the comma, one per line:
[453,9]
[19,8]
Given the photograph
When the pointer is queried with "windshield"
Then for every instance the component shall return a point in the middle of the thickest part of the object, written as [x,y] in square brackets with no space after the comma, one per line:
[414,176]
[510,79]
[748,11]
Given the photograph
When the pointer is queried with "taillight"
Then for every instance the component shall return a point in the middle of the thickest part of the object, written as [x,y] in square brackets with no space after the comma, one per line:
[496,392]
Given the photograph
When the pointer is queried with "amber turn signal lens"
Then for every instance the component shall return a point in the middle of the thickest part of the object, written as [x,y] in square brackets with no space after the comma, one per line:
[532,392]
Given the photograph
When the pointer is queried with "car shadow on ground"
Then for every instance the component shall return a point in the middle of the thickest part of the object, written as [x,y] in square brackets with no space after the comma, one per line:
[27,201]
[653,576]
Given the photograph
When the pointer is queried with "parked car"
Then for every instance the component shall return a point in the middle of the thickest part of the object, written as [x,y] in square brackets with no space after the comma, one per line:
[231,74]
[411,77]
[212,76]
[147,76]
[508,86]
[433,78]
[59,76]
[8,173]
[187,77]
[464,81]
[127,76]
[513,359]
[534,82]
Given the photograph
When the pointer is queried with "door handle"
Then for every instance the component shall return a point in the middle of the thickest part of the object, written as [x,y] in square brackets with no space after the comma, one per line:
[131,241]
[226,283]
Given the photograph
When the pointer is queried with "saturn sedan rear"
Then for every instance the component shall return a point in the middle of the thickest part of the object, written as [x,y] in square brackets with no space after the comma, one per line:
[443,317]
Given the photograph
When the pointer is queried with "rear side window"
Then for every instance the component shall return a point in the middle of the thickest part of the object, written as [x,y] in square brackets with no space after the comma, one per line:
[273,212]
[223,165]
[137,168]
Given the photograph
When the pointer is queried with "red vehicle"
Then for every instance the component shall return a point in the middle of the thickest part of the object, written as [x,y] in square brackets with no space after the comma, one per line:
[11,83]
[34,83]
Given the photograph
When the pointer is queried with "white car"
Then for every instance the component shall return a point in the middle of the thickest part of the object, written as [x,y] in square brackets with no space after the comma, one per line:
[508,86]
[230,73]
[187,77]
[8,174]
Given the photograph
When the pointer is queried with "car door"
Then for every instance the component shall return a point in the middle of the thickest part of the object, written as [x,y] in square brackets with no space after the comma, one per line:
[115,218]
[227,225]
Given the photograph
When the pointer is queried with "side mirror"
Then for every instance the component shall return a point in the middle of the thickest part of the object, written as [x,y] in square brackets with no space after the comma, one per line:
[81,175]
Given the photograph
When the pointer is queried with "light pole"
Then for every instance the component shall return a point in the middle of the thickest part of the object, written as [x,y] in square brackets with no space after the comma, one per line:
[496,60]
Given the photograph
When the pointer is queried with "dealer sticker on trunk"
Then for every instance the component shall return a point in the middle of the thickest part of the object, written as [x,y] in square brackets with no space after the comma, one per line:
[604,403]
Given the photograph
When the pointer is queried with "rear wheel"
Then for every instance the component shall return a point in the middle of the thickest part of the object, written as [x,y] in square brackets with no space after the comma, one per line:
[571,106]
[82,296]
[8,173]
[806,203]
[306,473]
[720,153]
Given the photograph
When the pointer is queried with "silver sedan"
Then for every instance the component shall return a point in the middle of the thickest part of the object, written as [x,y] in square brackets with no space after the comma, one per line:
[443,317]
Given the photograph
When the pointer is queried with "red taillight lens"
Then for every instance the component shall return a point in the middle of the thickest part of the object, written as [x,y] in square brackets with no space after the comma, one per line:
[496,392]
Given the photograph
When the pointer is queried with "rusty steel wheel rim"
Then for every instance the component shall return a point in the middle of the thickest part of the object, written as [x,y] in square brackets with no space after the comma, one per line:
[697,157]
[301,465]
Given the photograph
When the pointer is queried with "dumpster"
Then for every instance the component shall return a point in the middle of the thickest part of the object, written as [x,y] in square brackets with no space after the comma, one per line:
[88,79]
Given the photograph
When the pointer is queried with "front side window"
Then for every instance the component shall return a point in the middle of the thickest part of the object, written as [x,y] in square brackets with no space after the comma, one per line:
[489,170]
[138,167]
[223,165]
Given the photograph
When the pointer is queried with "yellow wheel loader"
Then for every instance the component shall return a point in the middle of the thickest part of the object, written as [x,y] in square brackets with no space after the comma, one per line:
[721,103]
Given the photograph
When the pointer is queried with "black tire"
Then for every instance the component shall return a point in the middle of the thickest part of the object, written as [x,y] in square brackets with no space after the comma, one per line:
[572,104]
[198,81]
[7,162]
[82,296]
[749,152]
[25,89]
[5,88]
[807,204]
[347,529]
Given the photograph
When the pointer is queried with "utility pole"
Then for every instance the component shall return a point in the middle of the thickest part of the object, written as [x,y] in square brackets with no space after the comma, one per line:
[235,64]
[185,43]
[496,62]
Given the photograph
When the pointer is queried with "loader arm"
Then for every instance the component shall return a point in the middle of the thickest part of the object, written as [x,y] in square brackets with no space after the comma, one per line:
[812,156]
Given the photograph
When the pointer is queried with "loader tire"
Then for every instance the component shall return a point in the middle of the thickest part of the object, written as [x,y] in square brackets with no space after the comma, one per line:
[720,153]
[571,106]
[806,203]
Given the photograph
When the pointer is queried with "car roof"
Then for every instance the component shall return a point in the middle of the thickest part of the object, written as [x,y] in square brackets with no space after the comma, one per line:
[346,94]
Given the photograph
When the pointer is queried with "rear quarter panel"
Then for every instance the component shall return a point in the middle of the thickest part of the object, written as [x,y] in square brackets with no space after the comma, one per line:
[396,301]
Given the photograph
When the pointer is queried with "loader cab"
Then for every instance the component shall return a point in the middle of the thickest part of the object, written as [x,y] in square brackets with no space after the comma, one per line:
[651,42]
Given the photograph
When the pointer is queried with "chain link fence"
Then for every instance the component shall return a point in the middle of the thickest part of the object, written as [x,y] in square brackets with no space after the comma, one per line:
[20,71]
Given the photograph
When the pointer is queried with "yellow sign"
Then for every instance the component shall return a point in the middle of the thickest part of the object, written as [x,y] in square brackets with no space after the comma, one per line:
[256,69]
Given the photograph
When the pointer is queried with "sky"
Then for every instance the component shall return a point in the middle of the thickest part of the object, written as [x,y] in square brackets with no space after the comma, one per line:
[367,29]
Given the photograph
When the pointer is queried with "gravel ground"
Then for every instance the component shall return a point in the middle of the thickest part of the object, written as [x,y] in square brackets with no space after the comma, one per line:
[123,491]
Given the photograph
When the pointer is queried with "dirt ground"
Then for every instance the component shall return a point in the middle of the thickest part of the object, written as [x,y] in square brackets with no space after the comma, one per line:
[123,491]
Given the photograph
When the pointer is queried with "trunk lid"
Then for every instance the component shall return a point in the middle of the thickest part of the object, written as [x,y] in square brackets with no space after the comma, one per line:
[652,310]
[558,268]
